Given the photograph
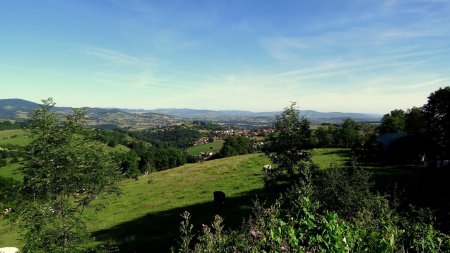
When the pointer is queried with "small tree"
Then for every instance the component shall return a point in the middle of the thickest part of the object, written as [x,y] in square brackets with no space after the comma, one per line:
[350,133]
[286,147]
[64,171]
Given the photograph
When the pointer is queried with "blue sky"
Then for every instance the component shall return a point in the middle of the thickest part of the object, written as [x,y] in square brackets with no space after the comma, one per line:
[351,56]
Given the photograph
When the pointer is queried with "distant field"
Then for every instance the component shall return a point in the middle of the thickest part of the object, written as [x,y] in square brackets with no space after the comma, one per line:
[209,147]
[14,137]
[10,133]
[120,148]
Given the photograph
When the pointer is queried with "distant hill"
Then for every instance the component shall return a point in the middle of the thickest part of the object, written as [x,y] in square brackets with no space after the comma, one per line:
[236,116]
[16,109]
[20,110]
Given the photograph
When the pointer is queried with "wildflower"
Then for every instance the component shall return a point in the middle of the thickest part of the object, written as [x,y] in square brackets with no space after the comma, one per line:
[255,234]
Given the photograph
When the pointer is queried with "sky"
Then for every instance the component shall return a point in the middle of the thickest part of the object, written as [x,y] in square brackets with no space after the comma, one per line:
[369,56]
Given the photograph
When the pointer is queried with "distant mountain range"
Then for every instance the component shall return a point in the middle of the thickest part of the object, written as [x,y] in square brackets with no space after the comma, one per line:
[20,110]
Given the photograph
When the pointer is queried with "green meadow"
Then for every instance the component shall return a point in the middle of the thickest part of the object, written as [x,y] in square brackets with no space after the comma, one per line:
[326,157]
[205,148]
[14,137]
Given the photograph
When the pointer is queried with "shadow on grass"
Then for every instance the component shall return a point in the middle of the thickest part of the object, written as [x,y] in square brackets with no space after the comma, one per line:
[158,232]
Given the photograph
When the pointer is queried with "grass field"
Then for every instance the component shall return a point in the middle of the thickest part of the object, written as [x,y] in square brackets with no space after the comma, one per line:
[208,147]
[325,157]
[147,213]
[14,137]
[10,133]
[10,171]
[145,218]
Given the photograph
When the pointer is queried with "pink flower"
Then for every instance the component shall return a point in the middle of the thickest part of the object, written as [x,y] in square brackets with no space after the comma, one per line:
[255,234]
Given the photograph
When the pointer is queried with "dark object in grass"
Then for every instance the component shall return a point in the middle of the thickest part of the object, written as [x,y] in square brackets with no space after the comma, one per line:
[219,198]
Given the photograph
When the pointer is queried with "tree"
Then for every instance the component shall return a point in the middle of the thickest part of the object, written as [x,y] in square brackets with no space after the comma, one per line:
[393,122]
[323,137]
[286,147]
[236,146]
[350,133]
[437,114]
[129,163]
[63,172]
[415,122]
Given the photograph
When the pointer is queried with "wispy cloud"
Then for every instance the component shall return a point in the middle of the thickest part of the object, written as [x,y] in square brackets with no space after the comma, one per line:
[112,56]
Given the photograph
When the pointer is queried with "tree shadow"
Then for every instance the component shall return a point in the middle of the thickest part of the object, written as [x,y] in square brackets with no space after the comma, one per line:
[158,232]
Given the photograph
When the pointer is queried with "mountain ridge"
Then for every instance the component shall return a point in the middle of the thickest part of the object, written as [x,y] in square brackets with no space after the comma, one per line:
[20,109]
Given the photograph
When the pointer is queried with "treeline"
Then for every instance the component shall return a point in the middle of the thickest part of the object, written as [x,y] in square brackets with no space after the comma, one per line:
[347,135]
[8,125]
[179,137]
[146,158]
[432,121]
[113,137]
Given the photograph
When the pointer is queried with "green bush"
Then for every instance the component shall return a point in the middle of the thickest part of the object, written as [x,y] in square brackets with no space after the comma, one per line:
[302,220]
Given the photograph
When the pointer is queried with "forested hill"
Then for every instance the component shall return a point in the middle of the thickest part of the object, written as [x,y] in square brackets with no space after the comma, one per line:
[20,110]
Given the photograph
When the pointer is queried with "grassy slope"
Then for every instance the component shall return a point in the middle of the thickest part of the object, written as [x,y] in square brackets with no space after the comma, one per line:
[182,186]
[9,133]
[168,191]
[208,147]
[146,217]
[325,157]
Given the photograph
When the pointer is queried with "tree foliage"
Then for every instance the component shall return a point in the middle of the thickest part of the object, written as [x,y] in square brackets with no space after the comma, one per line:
[415,122]
[236,146]
[393,122]
[286,146]
[350,133]
[437,113]
[64,171]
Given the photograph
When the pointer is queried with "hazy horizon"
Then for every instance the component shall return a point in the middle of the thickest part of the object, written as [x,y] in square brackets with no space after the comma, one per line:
[333,56]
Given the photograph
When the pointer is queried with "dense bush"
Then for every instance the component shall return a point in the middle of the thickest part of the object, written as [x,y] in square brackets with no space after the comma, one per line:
[301,221]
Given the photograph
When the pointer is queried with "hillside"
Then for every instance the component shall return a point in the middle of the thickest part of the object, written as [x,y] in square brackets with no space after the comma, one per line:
[146,215]
[21,110]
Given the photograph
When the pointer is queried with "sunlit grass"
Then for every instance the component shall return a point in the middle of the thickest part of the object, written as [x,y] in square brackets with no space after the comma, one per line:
[205,148]
[326,157]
